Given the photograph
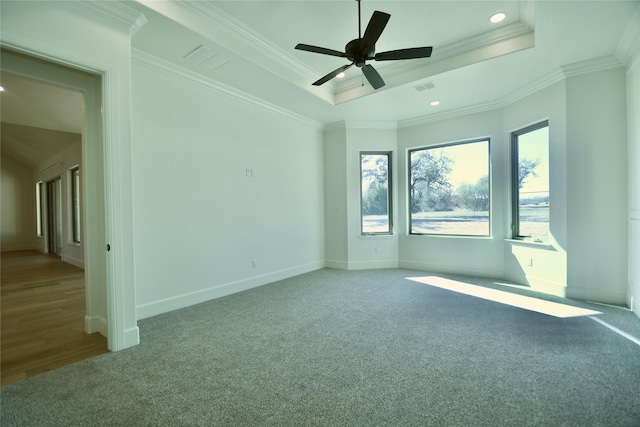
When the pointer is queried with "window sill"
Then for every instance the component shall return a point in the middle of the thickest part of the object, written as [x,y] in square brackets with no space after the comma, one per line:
[529,243]
[376,236]
[450,236]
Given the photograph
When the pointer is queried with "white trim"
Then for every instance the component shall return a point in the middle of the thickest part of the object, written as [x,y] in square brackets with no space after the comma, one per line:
[95,324]
[628,49]
[247,36]
[372,264]
[560,74]
[450,114]
[189,299]
[449,269]
[338,265]
[599,295]
[115,14]
[73,261]
[173,70]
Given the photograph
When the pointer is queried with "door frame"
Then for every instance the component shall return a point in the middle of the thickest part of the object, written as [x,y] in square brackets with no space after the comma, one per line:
[109,276]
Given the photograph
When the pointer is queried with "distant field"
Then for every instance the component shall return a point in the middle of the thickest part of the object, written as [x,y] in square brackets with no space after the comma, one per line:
[534,221]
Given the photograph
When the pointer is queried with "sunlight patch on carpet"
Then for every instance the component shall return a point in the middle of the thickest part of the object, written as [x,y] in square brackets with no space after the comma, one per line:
[617,330]
[528,303]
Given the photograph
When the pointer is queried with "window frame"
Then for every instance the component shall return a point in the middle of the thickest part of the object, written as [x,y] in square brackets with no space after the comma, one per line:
[39,209]
[515,172]
[389,156]
[76,222]
[489,181]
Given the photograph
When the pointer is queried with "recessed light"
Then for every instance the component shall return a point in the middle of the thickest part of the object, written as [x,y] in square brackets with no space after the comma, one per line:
[340,75]
[434,103]
[1,89]
[498,17]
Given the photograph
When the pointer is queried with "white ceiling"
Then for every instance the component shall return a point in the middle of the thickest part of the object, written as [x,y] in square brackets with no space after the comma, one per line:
[475,64]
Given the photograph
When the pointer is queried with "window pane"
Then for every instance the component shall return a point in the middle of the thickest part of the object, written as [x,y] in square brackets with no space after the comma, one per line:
[449,189]
[75,204]
[531,204]
[375,198]
[39,208]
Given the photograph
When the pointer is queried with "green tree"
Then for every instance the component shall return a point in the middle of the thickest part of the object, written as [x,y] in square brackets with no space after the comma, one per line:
[526,168]
[429,181]
[375,201]
[475,196]
[375,181]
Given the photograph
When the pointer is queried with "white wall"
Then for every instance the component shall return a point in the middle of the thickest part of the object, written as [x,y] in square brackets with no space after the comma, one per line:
[549,270]
[336,211]
[597,190]
[481,256]
[18,223]
[347,248]
[370,251]
[200,221]
[633,115]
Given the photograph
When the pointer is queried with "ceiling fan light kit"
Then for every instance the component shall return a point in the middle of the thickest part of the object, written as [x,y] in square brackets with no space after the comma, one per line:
[363,49]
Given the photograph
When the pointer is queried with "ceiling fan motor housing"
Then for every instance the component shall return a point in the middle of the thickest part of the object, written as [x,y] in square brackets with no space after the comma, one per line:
[358,51]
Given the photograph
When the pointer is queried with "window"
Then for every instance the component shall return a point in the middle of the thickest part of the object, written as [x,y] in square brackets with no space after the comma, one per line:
[75,204]
[39,208]
[449,189]
[375,194]
[530,182]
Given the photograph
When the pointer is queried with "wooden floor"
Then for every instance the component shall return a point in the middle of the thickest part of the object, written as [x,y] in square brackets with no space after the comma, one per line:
[42,316]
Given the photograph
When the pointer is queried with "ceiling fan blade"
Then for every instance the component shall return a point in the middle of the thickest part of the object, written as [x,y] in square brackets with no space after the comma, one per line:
[332,75]
[375,27]
[322,50]
[411,53]
[372,76]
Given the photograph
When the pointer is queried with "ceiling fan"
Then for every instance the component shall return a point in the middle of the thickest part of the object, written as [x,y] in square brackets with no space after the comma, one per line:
[362,49]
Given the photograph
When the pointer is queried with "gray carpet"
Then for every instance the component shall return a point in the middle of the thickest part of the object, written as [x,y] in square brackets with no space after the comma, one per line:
[350,348]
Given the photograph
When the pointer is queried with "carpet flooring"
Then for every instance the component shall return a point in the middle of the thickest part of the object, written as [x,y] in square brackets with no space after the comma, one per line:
[351,348]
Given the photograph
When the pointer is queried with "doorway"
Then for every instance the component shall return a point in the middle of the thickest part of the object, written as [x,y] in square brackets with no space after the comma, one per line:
[84,247]
[54,217]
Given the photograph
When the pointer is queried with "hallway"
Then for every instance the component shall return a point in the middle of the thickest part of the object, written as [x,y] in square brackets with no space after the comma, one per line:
[42,316]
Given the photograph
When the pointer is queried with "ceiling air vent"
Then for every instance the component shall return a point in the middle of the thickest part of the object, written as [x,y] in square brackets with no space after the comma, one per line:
[424,86]
[205,57]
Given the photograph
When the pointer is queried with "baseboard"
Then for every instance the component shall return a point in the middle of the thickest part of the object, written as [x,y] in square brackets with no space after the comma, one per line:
[446,269]
[339,265]
[13,248]
[372,265]
[596,295]
[181,301]
[131,337]
[73,261]
[93,324]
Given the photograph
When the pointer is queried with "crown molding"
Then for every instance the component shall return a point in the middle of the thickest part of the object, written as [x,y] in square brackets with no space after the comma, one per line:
[252,40]
[356,124]
[628,49]
[557,75]
[171,69]
[114,13]
[450,114]
[508,39]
